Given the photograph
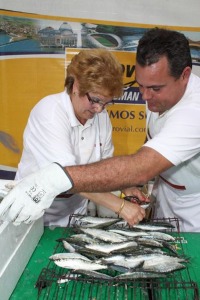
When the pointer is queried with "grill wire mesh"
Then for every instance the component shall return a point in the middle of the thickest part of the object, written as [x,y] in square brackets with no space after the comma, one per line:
[63,284]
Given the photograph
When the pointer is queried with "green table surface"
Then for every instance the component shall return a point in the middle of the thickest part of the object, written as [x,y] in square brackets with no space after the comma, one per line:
[25,288]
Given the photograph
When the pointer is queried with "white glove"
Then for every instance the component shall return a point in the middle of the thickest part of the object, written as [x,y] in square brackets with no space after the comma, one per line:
[27,201]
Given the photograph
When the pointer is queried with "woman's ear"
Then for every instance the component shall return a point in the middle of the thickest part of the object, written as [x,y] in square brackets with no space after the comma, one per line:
[75,87]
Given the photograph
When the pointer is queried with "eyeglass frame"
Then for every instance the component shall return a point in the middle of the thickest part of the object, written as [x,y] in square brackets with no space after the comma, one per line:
[95,100]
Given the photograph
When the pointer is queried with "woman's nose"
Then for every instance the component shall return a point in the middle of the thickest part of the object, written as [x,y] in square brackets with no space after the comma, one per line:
[97,107]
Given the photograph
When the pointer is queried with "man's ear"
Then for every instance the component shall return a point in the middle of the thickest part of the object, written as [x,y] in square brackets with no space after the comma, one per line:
[186,73]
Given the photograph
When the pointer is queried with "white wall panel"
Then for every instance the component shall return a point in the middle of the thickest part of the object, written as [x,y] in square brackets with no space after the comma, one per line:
[160,12]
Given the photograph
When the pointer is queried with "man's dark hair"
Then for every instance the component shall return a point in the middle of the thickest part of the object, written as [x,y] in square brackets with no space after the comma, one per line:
[159,42]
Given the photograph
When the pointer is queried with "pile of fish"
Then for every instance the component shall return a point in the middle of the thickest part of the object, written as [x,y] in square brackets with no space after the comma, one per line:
[145,250]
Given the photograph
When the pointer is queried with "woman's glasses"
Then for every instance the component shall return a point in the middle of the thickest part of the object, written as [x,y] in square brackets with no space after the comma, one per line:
[95,100]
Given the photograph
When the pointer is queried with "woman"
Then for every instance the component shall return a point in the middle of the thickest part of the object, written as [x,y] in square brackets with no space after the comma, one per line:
[73,127]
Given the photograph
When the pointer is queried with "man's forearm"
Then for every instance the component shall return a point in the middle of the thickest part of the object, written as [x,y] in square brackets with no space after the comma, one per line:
[118,172]
[35,193]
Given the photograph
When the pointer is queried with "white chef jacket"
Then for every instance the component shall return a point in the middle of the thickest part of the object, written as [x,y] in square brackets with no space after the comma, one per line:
[54,134]
[176,135]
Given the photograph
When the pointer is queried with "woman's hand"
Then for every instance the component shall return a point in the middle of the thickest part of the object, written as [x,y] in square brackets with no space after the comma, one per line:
[132,213]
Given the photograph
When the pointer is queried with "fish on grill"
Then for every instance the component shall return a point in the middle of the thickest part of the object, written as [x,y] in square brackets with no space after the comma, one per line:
[79,264]
[75,261]
[110,248]
[163,264]
[94,274]
[141,251]
[95,222]
[138,275]
[104,235]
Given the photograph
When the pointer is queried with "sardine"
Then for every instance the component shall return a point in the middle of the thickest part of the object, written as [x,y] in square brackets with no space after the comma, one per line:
[94,274]
[129,233]
[68,247]
[147,259]
[96,222]
[149,227]
[104,235]
[149,242]
[160,236]
[98,226]
[157,222]
[109,248]
[67,255]
[79,264]
[138,275]
[163,264]
[126,261]
[163,267]
[92,254]
[80,239]
[121,263]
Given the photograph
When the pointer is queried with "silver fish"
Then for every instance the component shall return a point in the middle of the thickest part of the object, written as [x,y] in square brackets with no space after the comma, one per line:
[123,262]
[164,223]
[150,227]
[80,238]
[138,275]
[109,248]
[129,233]
[163,267]
[79,264]
[149,242]
[163,264]
[142,250]
[75,261]
[96,220]
[104,235]
[66,255]
[98,226]
[127,261]
[94,274]
[160,236]
[147,259]
[111,259]
[68,247]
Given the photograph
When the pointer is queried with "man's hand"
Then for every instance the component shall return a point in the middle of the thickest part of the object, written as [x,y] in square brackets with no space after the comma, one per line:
[27,201]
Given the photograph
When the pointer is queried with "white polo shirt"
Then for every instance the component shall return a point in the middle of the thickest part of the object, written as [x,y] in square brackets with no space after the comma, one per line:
[176,135]
[54,134]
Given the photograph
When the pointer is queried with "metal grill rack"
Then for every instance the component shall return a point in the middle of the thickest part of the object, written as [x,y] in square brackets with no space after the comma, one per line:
[62,284]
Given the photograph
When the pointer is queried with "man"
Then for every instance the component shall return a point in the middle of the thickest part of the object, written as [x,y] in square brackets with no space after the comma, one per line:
[172,93]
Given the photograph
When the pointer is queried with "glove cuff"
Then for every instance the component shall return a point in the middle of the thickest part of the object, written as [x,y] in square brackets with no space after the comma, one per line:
[68,176]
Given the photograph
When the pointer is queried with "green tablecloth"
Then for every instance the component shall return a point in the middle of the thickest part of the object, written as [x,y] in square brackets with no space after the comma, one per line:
[25,287]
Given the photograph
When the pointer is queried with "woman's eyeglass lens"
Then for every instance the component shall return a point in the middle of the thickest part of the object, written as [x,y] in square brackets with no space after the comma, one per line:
[94,100]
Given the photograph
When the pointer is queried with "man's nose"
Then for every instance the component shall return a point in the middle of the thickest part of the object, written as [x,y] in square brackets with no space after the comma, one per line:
[146,94]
